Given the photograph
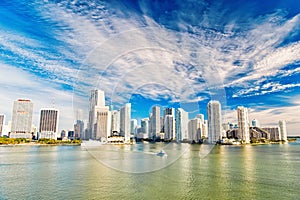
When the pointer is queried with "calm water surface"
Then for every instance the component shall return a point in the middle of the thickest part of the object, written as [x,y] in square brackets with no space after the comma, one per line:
[227,172]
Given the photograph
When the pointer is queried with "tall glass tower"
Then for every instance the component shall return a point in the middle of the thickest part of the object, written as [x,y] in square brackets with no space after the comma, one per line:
[182,120]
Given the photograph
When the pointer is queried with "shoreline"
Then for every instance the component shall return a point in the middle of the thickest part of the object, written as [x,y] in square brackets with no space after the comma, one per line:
[39,144]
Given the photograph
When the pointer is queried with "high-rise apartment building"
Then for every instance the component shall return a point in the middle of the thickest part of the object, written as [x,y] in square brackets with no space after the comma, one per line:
[21,119]
[195,130]
[283,131]
[243,124]
[115,122]
[48,123]
[155,123]
[133,126]
[214,120]
[97,99]
[79,125]
[79,129]
[102,126]
[125,117]
[2,122]
[145,126]
[170,114]
[169,127]
[182,120]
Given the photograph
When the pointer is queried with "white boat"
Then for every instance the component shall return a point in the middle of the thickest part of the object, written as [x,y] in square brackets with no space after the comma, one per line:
[162,153]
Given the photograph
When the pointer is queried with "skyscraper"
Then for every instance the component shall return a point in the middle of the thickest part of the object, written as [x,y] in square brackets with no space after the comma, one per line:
[97,98]
[282,127]
[155,122]
[79,125]
[21,119]
[115,122]
[243,124]
[133,126]
[103,123]
[182,120]
[169,127]
[2,117]
[214,121]
[195,129]
[48,123]
[145,126]
[125,117]
[170,114]
[79,129]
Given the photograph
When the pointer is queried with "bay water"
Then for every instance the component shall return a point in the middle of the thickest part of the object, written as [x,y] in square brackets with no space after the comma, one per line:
[185,172]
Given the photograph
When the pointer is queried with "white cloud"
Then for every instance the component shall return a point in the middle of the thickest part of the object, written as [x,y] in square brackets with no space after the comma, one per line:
[119,55]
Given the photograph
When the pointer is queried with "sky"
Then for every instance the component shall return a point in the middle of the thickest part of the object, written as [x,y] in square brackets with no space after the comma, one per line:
[150,52]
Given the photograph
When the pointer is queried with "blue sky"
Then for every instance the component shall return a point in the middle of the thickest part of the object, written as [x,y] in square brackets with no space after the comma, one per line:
[168,53]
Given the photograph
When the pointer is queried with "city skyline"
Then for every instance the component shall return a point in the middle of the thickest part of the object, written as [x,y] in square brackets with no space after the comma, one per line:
[173,124]
[145,53]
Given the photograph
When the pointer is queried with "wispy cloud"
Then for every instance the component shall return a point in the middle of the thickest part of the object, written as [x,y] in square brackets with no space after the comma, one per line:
[168,55]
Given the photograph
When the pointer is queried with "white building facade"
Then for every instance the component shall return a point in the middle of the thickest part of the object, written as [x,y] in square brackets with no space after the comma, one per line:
[125,118]
[21,119]
[243,124]
[214,120]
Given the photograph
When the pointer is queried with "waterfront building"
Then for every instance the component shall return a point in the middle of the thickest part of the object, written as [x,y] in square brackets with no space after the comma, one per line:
[274,133]
[170,114]
[103,123]
[214,121]
[145,127]
[97,99]
[125,117]
[79,129]
[63,134]
[169,127]
[79,125]
[182,120]
[204,133]
[71,135]
[155,123]
[21,119]
[195,129]
[133,127]
[283,131]
[48,123]
[243,124]
[2,122]
[115,122]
